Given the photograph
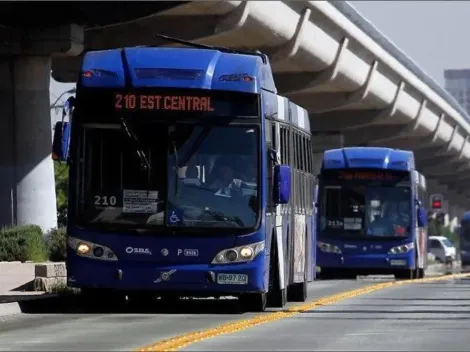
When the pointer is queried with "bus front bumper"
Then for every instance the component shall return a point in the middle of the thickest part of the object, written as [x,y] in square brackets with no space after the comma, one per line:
[365,261]
[188,278]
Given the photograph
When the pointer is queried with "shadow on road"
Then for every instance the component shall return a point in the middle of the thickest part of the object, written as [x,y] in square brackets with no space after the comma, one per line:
[72,304]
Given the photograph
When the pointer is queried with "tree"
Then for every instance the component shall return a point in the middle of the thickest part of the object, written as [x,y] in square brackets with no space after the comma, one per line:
[61,186]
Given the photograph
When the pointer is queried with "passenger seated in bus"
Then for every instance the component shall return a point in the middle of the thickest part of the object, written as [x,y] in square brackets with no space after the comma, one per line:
[192,174]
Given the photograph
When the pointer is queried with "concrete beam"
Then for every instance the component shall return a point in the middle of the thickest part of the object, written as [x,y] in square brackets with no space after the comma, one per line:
[291,83]
[67,40]
[435,186]
[430,161]
[461,184]
[323,141]
[341,120]
[456,178]
[198,28]
[373,135]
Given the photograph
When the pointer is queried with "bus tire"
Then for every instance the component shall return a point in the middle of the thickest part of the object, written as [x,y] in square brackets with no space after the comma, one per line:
[277,296]
[404,274]
[421,273]
[254,302]
[326,274]
[140,300]
[100,299]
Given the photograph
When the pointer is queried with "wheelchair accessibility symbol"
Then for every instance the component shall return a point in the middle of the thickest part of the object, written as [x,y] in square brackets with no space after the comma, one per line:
[174,218]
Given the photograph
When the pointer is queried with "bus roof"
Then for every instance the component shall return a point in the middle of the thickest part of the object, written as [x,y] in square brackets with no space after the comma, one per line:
[170,67]
[369,157]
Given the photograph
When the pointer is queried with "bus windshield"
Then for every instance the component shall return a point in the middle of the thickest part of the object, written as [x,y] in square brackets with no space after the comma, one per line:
[149,175]
[366,207]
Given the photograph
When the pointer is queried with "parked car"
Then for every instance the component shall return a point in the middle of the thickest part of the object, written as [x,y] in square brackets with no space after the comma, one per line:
[443,249]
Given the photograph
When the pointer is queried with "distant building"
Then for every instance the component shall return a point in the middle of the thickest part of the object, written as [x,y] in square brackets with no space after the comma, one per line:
[457,83]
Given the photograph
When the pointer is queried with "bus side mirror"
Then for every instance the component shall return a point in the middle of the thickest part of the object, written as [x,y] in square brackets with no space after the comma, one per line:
[60,144]
[422,217]
[282,183]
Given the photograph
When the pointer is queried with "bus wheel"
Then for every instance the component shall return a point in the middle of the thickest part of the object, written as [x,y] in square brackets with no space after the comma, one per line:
[100,299]
[253,302]
[277,296]
[404,274]
[140,300]
[421,273]
[297,292]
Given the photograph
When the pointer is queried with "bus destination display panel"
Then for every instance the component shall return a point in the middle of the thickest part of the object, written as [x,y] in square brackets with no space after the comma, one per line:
[170,102]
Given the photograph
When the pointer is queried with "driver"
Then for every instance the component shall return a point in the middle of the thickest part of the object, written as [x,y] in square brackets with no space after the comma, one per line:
[391,223]
[223,177]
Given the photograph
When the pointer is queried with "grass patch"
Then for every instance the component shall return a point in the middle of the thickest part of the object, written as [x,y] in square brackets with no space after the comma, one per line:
[62,288]
[56,242]
[23,243]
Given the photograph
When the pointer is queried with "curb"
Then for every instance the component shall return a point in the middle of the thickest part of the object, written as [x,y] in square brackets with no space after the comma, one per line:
[13,305]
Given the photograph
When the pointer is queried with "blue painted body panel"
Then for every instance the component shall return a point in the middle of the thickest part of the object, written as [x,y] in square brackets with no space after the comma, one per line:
[176,68]
[369,157]
[464,244]
[362,254]
[141,270]
[374,257]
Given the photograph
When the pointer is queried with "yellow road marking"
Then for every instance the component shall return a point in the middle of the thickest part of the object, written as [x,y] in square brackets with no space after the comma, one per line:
[178,342]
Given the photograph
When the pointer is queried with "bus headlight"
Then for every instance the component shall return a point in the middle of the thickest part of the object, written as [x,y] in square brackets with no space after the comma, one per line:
[328,248]
[240,254]
[404,248]
[83,248]
[91,250]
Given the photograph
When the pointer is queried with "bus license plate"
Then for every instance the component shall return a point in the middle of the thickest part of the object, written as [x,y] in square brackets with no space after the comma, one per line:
[232,279]
[398,262]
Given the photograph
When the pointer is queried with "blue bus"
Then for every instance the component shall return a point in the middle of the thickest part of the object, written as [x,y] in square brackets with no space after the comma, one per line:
[464,240]
[371,218]
[189,176]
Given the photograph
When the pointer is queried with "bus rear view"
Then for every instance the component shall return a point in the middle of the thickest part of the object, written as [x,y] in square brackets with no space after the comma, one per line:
[370,218]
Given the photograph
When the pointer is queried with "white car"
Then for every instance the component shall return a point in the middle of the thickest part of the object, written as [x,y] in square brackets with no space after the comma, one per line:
[442,248]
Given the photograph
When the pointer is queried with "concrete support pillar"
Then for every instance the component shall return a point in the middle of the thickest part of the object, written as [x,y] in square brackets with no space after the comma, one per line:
[27,190]
[27,185]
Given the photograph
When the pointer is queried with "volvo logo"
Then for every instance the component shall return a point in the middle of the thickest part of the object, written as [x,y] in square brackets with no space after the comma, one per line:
[165,276]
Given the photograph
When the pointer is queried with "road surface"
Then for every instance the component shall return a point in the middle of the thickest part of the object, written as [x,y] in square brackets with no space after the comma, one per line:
[376,315]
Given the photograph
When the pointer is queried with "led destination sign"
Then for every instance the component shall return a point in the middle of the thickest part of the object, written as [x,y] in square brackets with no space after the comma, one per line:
[153,102]
[369,175]
[105,105]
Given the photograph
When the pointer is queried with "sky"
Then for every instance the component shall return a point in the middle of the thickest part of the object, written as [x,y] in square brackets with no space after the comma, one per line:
[434,34]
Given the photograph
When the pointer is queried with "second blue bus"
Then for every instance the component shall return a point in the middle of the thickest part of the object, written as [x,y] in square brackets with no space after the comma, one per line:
[371,219]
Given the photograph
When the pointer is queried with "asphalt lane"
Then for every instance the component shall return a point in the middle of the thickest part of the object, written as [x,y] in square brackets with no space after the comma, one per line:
[78,331]
[412,317]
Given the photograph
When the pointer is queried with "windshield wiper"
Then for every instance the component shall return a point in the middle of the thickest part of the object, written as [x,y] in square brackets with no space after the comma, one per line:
[217,215]
[177,179]
[144,162]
